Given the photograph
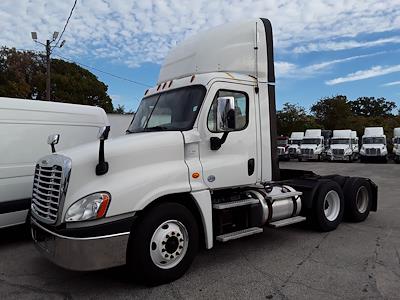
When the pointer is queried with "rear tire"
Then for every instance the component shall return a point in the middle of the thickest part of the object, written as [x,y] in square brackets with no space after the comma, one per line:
[358,199]
[163,244]
[328,206]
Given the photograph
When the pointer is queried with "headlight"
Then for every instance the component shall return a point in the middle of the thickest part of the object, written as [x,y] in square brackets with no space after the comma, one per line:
[348,151]
[329,151]
[90,207]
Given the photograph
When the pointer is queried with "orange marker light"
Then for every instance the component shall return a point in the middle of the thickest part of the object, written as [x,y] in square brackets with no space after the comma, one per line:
[103,206]
[195,175]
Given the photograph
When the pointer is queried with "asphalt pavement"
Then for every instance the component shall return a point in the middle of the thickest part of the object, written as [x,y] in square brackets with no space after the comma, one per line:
[356,261]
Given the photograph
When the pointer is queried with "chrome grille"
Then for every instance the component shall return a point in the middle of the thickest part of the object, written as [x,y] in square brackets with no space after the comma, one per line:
[373,151]
[49,187]
[307,151]
[338,151]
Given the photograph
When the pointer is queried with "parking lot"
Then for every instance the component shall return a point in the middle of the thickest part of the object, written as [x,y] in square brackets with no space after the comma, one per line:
[358,260]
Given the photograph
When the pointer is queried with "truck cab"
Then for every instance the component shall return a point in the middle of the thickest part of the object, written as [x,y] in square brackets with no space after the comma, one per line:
[283,147]
[396,144]
[312,145]
[373,145]
[198,166]
[295,141]
[343,146]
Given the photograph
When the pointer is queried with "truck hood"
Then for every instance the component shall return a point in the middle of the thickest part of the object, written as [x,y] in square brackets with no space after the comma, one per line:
[340,146]
[141,167]
[373,146]
[308,146]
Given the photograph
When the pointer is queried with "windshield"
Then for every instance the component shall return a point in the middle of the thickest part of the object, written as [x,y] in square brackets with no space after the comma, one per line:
[282,142]
[340,141]
[374,140]
[172,110]
[295,142]
[311,141]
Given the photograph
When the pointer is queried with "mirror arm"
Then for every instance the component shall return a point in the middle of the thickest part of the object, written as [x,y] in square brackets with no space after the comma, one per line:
[216,142]
[102,166]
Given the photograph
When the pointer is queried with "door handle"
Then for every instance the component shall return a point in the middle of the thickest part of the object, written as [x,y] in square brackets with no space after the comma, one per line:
[250,166]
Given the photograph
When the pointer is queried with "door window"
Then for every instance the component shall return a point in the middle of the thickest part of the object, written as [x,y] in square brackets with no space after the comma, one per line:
[241,110]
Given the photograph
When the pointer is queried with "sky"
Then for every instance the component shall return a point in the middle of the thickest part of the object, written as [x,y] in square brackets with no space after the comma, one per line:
[322,47]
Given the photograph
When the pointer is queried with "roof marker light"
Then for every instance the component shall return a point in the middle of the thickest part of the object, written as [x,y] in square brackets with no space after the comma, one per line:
[170,83]
[191,79]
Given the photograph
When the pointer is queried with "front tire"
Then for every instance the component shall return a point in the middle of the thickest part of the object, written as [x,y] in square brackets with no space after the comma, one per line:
[163,244]
[328,207]
[358,199]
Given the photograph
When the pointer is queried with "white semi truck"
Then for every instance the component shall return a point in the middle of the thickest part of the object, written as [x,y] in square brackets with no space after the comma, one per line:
[198,166]
[373,145]
[295,141]
[313,145]
[396,144]
[343,146]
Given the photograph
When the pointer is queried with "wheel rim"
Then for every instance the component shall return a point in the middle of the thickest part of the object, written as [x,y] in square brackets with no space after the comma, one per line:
[169,244]
[362,199]
[331,205]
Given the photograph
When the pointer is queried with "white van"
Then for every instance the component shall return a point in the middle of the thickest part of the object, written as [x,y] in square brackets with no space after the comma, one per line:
[24,128]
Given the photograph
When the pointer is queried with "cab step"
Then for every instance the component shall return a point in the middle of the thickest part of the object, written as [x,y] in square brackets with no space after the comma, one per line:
[238,234]
[286,222]
[236,203]
[284,195]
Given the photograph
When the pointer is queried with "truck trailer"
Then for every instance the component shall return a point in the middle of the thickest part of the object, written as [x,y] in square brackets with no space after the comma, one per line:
[343,146]
[396,145]
[197,166]
[373,145]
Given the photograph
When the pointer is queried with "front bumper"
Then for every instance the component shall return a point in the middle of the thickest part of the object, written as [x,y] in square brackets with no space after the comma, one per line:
[339,157]
[80,253]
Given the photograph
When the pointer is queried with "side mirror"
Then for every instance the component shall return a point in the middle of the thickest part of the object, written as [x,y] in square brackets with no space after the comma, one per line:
[103,133]
[52,140]
[226,114]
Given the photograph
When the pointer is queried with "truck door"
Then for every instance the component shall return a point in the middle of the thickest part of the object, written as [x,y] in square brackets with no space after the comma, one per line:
[235,163]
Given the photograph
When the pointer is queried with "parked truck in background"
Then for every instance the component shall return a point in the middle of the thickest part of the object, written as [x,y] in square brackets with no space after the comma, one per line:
[396,145]
[24,128]
[295,141]
[198,166]
[283,147]
[313,145]
[343,146]
[373,145]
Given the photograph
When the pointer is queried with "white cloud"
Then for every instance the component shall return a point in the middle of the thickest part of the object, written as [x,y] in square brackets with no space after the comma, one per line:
[287,69]
[135,32]
[344,45]
[364,74]
[391,83]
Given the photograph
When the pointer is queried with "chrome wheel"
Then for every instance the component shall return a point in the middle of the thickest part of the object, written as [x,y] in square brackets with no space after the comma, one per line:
[362,199]
[331,205]
[169,244]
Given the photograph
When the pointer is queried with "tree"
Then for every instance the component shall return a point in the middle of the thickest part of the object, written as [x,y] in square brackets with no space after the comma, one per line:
[293,117]
[371,107]
[23,75]
[332,112]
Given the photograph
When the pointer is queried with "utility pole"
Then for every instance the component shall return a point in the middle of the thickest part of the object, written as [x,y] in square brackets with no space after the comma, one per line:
[49,48]
[48,61]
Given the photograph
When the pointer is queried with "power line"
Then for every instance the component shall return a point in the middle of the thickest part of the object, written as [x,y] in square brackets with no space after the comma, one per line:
[93,68]
[105,72]
[66,23]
